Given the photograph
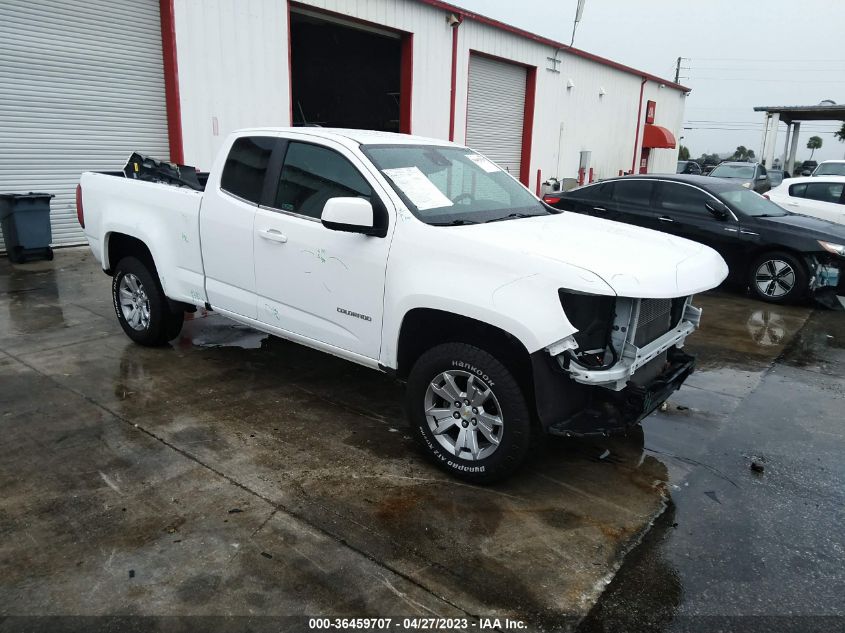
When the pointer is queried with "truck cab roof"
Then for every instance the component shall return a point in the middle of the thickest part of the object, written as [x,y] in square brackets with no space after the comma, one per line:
[359,137]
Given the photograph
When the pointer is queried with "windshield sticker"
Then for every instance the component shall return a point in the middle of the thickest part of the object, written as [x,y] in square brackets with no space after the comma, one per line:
[423,193]
[485,164]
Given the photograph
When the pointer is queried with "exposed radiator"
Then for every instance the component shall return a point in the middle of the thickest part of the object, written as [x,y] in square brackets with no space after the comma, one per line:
[655,320]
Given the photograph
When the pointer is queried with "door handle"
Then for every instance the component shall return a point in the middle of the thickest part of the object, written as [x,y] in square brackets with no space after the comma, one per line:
[599,209]
[664,218]
[273,235]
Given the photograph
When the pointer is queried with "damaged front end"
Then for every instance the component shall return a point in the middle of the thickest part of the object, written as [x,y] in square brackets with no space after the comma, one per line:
[827,281]
[621,364]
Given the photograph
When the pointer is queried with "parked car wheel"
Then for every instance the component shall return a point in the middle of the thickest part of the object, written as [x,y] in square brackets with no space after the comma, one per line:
[140,305]
[778,277]
[468,413]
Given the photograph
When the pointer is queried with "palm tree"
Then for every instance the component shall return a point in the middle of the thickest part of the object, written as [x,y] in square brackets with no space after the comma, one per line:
[814,143]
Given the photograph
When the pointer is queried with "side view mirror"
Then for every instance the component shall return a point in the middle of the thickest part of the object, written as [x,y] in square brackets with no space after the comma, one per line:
[352,215]
[717,209]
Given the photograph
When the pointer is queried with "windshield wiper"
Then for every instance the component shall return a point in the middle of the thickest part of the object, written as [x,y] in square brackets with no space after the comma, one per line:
[512,216]
[453,223]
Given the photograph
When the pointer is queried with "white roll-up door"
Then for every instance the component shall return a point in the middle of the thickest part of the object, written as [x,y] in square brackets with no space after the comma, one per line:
[495,111]
[81,87]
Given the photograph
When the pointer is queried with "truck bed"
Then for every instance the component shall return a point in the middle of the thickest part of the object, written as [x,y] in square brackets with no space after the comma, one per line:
[163,216]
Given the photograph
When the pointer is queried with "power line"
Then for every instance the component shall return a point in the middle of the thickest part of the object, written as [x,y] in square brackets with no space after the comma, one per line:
[770,61]
[792,81]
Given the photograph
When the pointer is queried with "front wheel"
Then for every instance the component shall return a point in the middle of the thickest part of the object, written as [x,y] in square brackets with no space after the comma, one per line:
[778,277]
[141,306]
[468,413]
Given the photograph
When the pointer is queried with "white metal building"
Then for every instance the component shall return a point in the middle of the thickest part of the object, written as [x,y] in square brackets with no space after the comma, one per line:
[82,85]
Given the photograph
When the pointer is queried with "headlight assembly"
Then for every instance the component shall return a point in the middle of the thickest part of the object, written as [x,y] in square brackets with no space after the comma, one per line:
[836,249]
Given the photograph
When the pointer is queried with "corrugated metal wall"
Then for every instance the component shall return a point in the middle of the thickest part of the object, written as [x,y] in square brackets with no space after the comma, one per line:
[495,111]
[81,87]
[233,70]
[569,120]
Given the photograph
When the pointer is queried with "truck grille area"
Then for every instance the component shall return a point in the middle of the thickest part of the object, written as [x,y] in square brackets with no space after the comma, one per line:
[655,320]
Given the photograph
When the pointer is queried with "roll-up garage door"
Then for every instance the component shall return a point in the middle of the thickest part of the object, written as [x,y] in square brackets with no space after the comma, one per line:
[495,110]
[81,87]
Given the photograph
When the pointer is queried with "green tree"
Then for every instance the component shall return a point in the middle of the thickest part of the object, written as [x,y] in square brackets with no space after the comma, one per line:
[840,134]
[743,153]
[683,152]
[707,159]
[814,143]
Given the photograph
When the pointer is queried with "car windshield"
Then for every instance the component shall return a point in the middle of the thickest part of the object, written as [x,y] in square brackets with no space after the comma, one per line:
[751,203]
[746,172]
[830,169]
[452,185]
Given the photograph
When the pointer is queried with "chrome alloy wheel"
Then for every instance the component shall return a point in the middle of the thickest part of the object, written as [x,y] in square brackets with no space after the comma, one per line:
[464,415]
[134,302]
[774,278]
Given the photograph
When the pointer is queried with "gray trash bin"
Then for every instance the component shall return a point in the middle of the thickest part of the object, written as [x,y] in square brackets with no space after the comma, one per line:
[25,218]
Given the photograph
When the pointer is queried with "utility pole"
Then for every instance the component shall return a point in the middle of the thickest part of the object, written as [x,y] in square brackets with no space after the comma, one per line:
[678,70]
[579,11]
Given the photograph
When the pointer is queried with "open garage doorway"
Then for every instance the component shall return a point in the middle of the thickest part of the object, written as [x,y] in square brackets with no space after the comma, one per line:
[346,74]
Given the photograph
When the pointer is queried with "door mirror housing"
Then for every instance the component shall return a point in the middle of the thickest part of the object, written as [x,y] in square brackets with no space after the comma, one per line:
[352,215]
[717,209]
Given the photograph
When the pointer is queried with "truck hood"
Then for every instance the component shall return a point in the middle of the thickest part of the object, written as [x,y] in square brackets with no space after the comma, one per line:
[632,261]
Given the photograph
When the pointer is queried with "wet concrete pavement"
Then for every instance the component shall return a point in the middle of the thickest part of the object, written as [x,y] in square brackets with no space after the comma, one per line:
[237,474]
[740,550]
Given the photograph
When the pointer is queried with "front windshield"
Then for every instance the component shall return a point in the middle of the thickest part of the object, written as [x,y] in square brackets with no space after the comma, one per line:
[751,203]
[830,169]
[452,185]
[746,172]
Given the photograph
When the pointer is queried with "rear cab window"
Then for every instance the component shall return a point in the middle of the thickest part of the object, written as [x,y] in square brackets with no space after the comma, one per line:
[246,167]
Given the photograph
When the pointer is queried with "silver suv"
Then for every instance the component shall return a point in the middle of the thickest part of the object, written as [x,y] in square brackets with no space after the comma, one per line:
[750,175]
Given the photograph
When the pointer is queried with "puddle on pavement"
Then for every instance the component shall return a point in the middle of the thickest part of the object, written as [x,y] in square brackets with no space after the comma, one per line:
[33,300]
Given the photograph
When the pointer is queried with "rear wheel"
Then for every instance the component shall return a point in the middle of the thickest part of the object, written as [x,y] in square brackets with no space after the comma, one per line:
[141,307]
[778,277]
[468,413]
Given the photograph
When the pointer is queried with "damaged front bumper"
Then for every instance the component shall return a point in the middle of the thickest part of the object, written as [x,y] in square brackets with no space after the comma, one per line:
[604,390]
[827,282]
[614,412]
[634,354]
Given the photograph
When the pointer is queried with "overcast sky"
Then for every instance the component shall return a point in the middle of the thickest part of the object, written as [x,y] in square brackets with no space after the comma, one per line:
[741,54]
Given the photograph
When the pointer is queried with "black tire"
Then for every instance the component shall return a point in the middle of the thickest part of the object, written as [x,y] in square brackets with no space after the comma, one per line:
[162,324]
[508,402]
[778,277]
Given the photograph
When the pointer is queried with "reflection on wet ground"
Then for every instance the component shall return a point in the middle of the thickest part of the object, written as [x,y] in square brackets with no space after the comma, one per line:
[743,549]
[233,472]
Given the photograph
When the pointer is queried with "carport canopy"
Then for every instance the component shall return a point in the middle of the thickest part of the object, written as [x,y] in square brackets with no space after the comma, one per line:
[792,116]
[655,136]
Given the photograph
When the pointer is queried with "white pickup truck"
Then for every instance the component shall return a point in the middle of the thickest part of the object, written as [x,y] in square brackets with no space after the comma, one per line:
[419,258]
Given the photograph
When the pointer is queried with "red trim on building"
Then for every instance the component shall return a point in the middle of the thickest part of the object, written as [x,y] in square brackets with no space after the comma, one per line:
[483,19]
[406,83]
[528,125]
[171,81]
[453,95]
[639,119]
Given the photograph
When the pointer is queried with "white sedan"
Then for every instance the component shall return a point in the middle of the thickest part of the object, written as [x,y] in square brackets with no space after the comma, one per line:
[819,196]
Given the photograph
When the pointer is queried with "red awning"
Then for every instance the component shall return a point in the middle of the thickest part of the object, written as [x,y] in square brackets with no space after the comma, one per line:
[656,136]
